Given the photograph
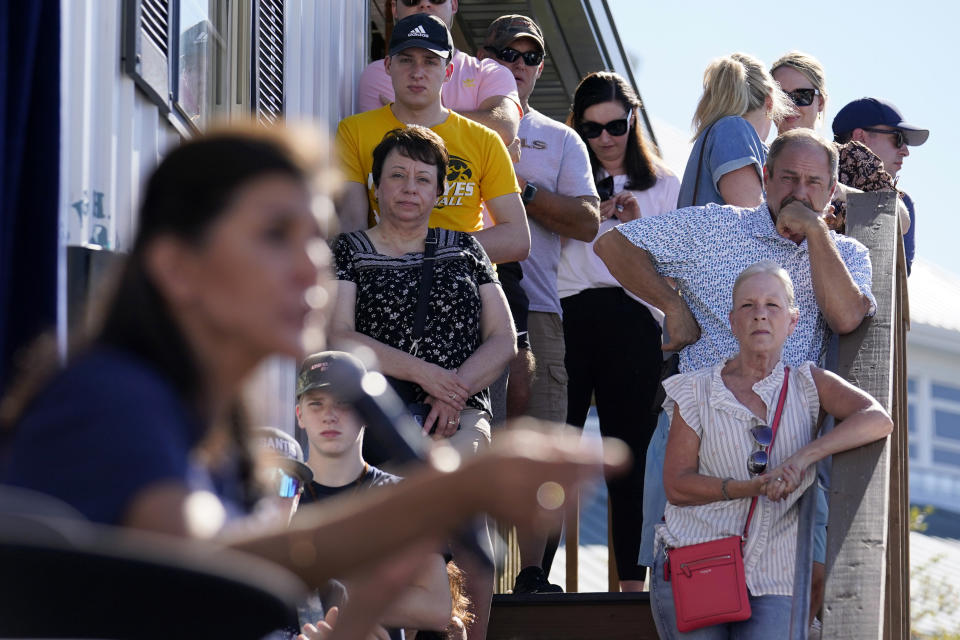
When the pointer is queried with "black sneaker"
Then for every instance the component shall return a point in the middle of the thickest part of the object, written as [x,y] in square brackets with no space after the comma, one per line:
[533,580]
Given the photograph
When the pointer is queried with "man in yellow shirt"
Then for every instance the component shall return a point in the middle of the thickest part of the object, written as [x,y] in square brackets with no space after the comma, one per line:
[480,172]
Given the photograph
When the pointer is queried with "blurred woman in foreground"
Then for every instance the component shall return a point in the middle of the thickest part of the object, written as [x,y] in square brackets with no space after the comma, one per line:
[143,428]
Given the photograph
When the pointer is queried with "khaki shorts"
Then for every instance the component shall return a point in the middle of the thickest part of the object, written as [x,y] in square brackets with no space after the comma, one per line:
[548,392]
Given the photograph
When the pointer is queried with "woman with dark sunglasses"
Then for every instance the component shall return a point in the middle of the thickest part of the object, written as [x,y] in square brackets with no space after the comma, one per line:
[739,103]
[726,447]
[620,369]
[802,78]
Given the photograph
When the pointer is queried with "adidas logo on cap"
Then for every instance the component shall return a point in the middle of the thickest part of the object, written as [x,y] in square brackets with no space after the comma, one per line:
[418,32]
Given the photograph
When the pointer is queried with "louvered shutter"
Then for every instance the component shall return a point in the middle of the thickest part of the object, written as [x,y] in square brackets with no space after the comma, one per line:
[268,61]
[146,47]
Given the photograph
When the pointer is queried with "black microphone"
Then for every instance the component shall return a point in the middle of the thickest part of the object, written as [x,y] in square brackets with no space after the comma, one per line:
[391,427]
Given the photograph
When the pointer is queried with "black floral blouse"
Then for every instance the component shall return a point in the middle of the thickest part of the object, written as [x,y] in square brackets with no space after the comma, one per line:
[387,290]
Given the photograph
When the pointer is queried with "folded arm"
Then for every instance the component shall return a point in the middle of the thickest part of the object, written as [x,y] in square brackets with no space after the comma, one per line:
[633,268]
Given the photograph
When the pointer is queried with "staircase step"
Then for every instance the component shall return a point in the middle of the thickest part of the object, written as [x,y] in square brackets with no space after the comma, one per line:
[571,616]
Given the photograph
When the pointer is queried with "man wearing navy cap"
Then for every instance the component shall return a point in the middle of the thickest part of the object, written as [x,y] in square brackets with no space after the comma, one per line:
[879,125]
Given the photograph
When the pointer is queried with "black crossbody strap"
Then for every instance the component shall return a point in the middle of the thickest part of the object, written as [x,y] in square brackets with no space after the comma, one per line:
[426,281]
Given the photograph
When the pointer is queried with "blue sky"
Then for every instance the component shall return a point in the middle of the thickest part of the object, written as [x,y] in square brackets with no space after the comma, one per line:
[894,50]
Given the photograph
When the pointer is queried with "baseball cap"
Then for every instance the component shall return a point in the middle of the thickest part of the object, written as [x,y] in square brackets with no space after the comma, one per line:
[506,29]
[421,30]
[282,449]
[869,112]
[313,371]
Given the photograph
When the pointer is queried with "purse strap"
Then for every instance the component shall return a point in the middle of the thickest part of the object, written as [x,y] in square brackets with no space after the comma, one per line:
[773,438]
[426,280]
[696,182]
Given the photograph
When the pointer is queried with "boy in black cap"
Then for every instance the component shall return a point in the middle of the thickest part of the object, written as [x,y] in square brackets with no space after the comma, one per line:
[477,89]
[335,437]
[879,125]
[334,433]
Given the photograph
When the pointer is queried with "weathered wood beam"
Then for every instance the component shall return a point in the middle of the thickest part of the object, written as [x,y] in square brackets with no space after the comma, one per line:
[857,538]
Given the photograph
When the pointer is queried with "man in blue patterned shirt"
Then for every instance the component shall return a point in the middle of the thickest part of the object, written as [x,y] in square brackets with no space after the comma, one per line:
[704,248]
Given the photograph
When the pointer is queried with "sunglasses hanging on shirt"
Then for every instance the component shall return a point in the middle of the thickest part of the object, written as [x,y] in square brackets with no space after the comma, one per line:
[605,188]
[757,462]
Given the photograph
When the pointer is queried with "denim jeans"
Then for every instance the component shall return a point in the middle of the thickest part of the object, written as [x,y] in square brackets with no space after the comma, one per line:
[654,495]
[770,614]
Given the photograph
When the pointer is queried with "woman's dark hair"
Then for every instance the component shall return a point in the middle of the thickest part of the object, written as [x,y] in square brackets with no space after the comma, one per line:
[605,86]
[417,143]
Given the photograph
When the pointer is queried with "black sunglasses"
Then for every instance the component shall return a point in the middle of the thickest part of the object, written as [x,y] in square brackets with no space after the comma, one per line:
[757,462]
[530,58]
[591,130]
[413,3]
[898,138]
[803,97]
[605,188]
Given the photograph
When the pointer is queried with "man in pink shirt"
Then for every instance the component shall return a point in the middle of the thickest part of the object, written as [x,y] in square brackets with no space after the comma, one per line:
[481,90]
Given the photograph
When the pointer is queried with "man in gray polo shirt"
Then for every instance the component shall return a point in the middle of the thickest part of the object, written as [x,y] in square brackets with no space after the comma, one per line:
[561,201]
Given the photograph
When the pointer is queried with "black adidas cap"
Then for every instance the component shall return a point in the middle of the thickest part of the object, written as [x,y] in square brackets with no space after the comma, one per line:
[421,30]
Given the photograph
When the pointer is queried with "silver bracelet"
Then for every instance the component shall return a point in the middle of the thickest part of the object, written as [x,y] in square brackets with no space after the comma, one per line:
[723,488]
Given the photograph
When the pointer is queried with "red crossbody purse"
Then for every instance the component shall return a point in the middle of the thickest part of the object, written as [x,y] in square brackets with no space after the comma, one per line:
[709,585]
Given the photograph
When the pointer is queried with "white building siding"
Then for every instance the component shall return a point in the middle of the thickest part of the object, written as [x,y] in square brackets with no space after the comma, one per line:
[111,136]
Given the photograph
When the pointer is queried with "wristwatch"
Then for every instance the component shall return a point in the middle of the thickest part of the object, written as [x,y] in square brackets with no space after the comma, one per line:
[528,194]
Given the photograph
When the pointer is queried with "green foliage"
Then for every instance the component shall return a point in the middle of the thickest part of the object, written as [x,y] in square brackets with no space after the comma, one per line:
[929,596]
[918,516]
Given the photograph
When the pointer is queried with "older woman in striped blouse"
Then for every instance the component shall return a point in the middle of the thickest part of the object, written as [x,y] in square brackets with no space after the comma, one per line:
[716,459]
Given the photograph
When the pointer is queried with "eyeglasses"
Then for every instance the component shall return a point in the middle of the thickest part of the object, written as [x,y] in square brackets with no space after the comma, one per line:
[530,58]
[286,485]
[413,3]
[803,97]
[590,130]
[757,462]
[898,138]
[605,188]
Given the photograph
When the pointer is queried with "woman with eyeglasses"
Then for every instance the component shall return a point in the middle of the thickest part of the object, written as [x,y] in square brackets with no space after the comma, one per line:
[726,446]
[739,103]
[618,365]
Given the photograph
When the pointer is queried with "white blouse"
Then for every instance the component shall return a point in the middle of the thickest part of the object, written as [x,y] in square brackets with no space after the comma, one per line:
[580,268]
[723,425]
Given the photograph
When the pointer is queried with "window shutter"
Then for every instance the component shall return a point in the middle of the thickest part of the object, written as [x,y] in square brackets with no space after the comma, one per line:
[268,61]
[146,47]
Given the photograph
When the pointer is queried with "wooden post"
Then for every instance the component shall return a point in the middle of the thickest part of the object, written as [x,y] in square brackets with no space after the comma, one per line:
[572,537]
[854,605]
[897,618]
[613,578]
